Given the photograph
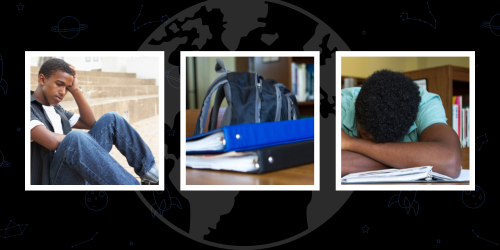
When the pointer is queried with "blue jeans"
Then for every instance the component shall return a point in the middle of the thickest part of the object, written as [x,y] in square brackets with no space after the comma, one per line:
[83,158]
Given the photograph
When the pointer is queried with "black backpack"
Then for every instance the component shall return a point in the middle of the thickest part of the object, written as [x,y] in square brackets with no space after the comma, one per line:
[250,99]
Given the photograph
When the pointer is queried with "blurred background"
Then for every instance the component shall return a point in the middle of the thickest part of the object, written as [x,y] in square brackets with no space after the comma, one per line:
[446,76]
[126,85]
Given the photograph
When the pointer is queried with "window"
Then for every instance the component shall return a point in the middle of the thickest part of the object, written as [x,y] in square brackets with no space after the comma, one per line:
[96,59]
[87,58]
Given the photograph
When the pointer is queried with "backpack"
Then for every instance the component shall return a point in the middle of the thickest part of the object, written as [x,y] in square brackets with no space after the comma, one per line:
[250,99]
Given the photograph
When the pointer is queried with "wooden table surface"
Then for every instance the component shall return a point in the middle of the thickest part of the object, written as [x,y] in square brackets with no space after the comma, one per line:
[301,175]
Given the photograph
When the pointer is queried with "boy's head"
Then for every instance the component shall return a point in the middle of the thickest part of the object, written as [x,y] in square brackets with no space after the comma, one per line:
[386,106]
[54,77]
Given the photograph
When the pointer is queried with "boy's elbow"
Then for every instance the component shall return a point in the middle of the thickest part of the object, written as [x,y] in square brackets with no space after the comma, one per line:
[454,165]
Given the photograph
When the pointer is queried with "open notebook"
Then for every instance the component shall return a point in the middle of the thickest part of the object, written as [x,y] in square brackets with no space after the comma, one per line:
[417,174]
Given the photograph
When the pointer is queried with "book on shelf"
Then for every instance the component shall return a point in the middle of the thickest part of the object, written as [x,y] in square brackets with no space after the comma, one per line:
[349,82]
[468,127]
[464,130]
[416,174]
[457,100]
[455,117]
[258,161]
[294,78]
[250,136]
[303,81]
[310,82]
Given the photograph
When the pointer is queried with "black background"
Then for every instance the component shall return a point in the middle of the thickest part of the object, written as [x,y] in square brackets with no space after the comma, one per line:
[60,219]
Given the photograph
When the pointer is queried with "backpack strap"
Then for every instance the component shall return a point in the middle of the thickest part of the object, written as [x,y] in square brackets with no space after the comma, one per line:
[219,96]
[219,81]
[202,118]
[278,100]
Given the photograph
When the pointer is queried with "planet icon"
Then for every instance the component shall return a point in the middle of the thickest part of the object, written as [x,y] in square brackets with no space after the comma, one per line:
[493,24]
[96,201]
[473,199]
[69,27]
[173,76]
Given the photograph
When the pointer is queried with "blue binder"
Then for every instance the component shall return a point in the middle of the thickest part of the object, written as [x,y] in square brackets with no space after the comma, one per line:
[251,136]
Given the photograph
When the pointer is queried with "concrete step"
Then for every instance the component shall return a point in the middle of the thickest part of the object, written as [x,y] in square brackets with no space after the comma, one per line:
[102,91]
[35,70]
[105,80]
[132,109]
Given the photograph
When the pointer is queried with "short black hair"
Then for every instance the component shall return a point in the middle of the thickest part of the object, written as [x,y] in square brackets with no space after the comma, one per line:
[387,105]
[52,65]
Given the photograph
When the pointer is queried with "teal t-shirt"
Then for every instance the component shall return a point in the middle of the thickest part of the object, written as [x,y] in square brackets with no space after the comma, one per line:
[430,111]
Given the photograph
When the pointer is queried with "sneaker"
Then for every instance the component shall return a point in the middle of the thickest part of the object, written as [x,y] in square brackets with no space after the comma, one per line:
[151,177]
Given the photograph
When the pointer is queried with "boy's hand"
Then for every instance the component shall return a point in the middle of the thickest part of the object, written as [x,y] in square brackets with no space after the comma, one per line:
[74,84]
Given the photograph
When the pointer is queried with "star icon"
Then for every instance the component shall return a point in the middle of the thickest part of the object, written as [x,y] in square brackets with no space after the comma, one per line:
[20,6]
[171,133]
[365,229]
[364,32]
[131,243]
[18,129]
[438,241]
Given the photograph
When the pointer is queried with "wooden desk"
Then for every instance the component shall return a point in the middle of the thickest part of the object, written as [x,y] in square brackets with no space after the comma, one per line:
[301,175]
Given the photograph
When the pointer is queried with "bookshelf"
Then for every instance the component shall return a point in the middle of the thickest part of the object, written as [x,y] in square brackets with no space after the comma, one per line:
[447,81]
[281,71]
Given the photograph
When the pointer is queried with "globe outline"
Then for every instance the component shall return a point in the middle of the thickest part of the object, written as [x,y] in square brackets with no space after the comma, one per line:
[261,246]
[80,28]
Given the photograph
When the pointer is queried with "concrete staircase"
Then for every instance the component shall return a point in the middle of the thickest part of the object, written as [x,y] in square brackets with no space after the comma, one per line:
[134,99]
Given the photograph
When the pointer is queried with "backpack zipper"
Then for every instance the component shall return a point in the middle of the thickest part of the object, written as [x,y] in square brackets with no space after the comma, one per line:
[258,99]
[259,86]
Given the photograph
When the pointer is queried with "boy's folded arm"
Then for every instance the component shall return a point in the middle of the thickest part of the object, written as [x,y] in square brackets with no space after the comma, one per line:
[438,146]
[46,138]
[354,163]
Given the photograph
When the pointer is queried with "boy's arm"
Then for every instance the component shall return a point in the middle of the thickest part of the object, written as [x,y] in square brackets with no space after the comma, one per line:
[46,138]
[354,163]
[438,146]
[87,118]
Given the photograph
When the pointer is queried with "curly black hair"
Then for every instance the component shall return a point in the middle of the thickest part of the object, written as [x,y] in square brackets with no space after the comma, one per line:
[54,64]
[387,105]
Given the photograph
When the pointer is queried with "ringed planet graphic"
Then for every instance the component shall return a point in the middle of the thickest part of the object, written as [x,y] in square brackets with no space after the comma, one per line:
[173,77]
[69,27]
[492,26]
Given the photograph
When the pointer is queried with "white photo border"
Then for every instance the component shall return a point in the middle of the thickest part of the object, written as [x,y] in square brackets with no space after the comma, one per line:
[185,54]
[161,140]
[404,186]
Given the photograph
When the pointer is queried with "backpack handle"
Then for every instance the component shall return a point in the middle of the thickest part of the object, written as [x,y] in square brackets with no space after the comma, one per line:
[219,96]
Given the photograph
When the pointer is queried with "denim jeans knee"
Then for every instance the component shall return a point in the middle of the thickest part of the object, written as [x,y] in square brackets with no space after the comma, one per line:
[110,117]
[73,137]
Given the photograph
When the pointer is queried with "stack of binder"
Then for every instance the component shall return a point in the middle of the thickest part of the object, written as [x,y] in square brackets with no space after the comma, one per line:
[253,147]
